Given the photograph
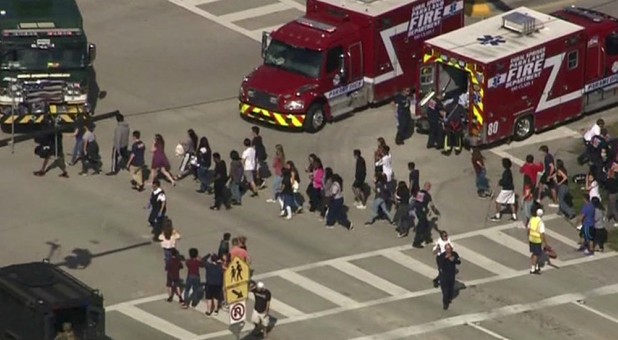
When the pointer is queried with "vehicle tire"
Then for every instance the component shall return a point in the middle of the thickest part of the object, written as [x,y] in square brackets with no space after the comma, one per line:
[524,128]
[315,119]
[6,128]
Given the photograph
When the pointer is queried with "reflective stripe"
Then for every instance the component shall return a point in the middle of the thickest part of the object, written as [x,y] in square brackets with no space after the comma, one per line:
[534,234]
[280,120]
[26,119]
[274,117]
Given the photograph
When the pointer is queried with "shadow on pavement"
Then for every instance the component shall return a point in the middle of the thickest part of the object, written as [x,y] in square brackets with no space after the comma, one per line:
[81,258]
[253,335]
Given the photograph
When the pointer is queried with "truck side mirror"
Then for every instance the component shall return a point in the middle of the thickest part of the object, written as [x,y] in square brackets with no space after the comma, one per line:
[92,53]
[342,65]
[265,42]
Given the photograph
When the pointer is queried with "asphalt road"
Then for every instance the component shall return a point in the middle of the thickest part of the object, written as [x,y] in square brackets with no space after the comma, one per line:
[169,68]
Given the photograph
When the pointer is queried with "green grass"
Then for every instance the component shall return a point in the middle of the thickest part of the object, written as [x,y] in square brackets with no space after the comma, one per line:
[578,198]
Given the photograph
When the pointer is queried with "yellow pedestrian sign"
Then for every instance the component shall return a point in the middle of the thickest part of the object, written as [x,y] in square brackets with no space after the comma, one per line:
[237,293]
[236,273]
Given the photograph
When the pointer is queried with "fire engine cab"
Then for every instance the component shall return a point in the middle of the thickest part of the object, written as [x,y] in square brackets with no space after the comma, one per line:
[524,71]
[342,55]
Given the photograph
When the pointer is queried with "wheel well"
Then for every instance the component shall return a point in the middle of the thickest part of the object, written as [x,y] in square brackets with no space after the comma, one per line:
[322,101]
[525,116]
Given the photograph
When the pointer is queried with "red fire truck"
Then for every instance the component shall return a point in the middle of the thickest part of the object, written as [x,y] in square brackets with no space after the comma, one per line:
[524,71]
[341,56]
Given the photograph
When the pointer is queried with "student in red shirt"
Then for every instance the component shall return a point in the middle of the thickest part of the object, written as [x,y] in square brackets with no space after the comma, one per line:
[192,284]
[173,267]
[531,170]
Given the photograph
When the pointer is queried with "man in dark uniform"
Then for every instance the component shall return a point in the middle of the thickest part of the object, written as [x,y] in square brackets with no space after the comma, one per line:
[158,208]
[220,180]
[453,130]
[422,206]
[50,145]
[404,116]
[435,114]
[448,269]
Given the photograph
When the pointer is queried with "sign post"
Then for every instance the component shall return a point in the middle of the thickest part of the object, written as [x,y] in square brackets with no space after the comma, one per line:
[236,286]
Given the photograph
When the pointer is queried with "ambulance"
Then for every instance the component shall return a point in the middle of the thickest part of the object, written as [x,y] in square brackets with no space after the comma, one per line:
[524,71]
[340,56]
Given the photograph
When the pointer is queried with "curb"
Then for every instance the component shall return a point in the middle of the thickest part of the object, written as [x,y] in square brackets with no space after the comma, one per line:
[478,9]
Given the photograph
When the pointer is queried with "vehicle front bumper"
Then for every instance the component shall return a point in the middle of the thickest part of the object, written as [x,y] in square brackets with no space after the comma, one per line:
[287,120]
[63,113]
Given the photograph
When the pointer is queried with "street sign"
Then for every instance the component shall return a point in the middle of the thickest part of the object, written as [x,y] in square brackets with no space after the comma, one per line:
[237,292]
[238,312]
[236,273]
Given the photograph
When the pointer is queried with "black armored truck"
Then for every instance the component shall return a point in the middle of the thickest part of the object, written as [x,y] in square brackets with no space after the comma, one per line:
[38,300]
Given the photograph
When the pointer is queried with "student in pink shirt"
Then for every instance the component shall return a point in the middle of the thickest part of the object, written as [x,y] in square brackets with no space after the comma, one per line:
[278,162]
[317,185]
[238,251]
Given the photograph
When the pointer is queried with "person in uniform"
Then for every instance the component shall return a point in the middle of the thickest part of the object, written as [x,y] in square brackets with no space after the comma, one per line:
[158,208]
[435,114]
[50,145]
[260,317]
[448,269]
[536,238]
[423,205]
[453,131]
[67,332]
[404,117]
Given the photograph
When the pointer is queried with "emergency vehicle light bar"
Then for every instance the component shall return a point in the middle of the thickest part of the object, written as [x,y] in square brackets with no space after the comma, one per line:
[67,32]
[521,23]
[316,24]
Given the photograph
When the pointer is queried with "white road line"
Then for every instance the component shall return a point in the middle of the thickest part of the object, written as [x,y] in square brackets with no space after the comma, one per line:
[294,4]
[482,261]
[369,278]
[557,133]
[486,331]
[517,245]
[213,18]
[223,316]
[156,322]
[502,312]
[425,292]
[318,289]
[198,2]
[284,309]
[391,253]
[597,312]
[411,263]
[561,238]
[254,12]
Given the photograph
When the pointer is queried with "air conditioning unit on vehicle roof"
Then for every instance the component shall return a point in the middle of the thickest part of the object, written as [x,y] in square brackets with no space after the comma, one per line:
[521,23]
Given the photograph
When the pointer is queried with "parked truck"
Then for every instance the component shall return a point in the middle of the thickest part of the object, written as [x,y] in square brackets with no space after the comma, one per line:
[44,62]
[524,71]
[37,299]
[342,55]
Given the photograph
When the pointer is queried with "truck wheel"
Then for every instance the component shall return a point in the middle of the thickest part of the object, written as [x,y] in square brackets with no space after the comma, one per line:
[315,119]
[524,128]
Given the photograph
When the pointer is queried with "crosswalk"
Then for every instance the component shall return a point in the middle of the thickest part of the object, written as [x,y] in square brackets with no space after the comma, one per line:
[290,309]
[249,18]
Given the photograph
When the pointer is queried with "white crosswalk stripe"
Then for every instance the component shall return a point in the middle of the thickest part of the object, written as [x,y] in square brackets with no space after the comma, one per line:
[344,264]
[369,278]
[230,20]
[483,261]
[312,286]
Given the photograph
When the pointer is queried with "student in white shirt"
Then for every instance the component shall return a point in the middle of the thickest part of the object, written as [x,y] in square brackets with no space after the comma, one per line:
[439,248]
[386,163]
[168,238]
[249,166]
[595,130]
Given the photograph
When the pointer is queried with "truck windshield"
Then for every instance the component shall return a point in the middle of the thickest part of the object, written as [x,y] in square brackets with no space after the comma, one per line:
[43,59]
[294,59]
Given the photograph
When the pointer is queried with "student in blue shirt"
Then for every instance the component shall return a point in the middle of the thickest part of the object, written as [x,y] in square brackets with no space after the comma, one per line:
[587,229]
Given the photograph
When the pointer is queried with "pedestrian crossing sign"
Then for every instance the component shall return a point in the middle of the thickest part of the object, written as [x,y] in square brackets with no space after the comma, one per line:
[236,274]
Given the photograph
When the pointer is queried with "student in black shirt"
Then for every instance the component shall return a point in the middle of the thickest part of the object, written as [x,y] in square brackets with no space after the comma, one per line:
[360,175]
[413,179]
[136,162]
[383,195]
[507,192]
[402,214]
[448,269]
[220,180]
